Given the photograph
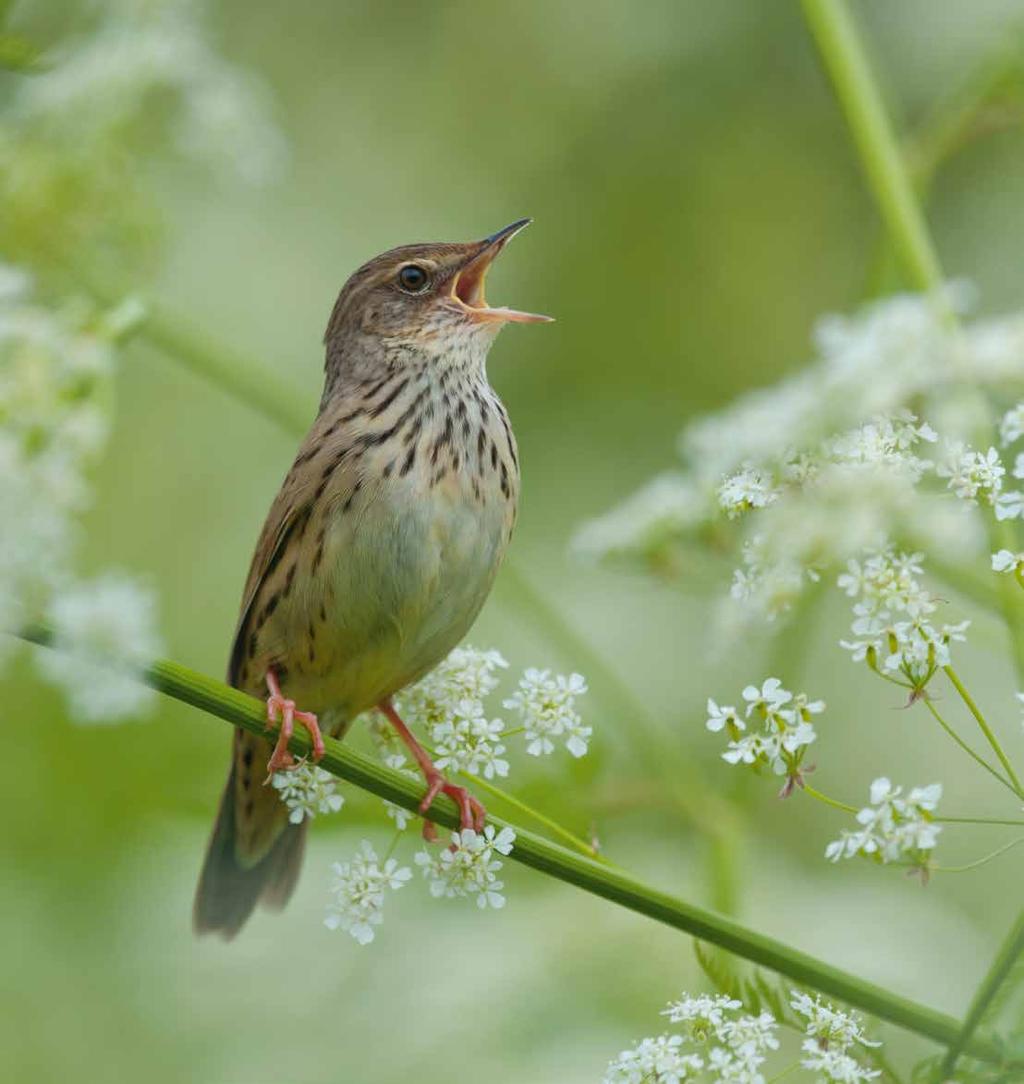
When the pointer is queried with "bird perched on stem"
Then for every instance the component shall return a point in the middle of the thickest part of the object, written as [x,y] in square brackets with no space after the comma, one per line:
[378,551]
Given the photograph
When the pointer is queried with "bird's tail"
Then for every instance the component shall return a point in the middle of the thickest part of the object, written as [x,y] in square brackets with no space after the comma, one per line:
[255,854]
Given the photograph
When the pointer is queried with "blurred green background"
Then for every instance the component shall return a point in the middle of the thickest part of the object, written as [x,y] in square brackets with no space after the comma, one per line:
[697,205]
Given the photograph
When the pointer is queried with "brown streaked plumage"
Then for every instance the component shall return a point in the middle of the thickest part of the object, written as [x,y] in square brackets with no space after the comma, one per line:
[380,547]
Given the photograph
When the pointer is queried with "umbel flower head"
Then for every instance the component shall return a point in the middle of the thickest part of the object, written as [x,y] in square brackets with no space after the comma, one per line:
[718,1042]
[357,892]
[894,827]
[870,443]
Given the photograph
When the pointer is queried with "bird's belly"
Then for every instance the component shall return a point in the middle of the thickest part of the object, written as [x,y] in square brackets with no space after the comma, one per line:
[404,575]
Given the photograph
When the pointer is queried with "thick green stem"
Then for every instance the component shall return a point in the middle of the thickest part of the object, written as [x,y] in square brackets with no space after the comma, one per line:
[217,699]
[990,737]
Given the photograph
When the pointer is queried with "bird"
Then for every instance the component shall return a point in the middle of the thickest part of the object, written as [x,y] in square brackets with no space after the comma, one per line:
[378,552]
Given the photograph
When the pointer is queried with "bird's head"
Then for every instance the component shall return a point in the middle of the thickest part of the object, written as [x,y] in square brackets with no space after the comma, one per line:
[427,297]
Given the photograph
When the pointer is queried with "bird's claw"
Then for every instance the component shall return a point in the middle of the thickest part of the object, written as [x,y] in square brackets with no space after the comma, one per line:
[282,710]
[471,812]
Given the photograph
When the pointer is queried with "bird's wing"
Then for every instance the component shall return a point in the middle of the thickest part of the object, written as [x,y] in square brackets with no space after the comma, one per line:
[322,475]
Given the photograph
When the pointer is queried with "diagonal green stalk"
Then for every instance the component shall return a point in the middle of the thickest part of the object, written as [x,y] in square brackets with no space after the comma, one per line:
[930,705]
[215,698]
[843,54]
[990,737]
[1001,967]
[857,91]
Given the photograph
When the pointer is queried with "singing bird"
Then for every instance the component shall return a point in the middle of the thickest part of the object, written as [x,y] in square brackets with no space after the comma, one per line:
[378,551]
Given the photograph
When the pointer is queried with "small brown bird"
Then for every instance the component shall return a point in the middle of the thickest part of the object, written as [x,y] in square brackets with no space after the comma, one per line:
[378,551]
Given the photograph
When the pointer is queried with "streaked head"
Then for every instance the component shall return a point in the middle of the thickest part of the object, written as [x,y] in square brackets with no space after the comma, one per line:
[421,294]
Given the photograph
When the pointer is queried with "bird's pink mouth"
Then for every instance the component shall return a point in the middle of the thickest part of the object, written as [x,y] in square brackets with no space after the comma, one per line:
[468,284]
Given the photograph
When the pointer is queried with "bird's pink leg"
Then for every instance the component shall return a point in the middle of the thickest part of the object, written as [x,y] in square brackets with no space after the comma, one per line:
[279,707]
[471,813]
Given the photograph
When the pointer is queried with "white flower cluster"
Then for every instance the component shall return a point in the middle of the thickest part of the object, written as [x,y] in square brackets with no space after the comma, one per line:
[892,617]
[56,371]
[829,1036]
[784,729]
[546,705]
[357,892]
[144,78]
[832,462]
[469,867]
[894,827]
[718,1043]
[307,791]
[449,706]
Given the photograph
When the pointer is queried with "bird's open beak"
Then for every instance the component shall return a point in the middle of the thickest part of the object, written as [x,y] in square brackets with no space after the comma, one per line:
[468,281]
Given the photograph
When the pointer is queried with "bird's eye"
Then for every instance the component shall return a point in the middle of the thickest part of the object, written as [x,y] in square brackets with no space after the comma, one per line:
[413,279]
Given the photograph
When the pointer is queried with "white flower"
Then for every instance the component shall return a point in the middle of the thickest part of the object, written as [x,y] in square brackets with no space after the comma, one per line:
[719,717]
[828,1025]
[357,892]
[1010,505]
[469,866]
[835,1065]
[468,742]
[972,475]
[748,488]
[546,704]
[893,828]
[1007,561]
[702,1014]
[455,688]
[769,697]
[647,526]
[1011,428]
[105,635]
[307,790]
[654,1061]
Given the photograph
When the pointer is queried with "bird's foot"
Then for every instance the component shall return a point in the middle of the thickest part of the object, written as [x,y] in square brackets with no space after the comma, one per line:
[282,710]
[471,812]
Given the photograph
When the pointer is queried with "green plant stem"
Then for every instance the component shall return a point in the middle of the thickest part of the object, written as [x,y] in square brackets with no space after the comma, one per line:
[215,698]
[977,863]
[844,56]
[930,705]
[990,737]
[818,796]
[1001,967]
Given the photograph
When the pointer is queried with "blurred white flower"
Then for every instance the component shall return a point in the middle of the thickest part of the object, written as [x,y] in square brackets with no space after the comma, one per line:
[357,892]
[457,687]
[972,475]
[646,527]
[719,717]
[546,705]
[469,866]
[750,487]
[1011,426]
[307,791]
[101,86]
[893,828]
[1007,561]
[105,635]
